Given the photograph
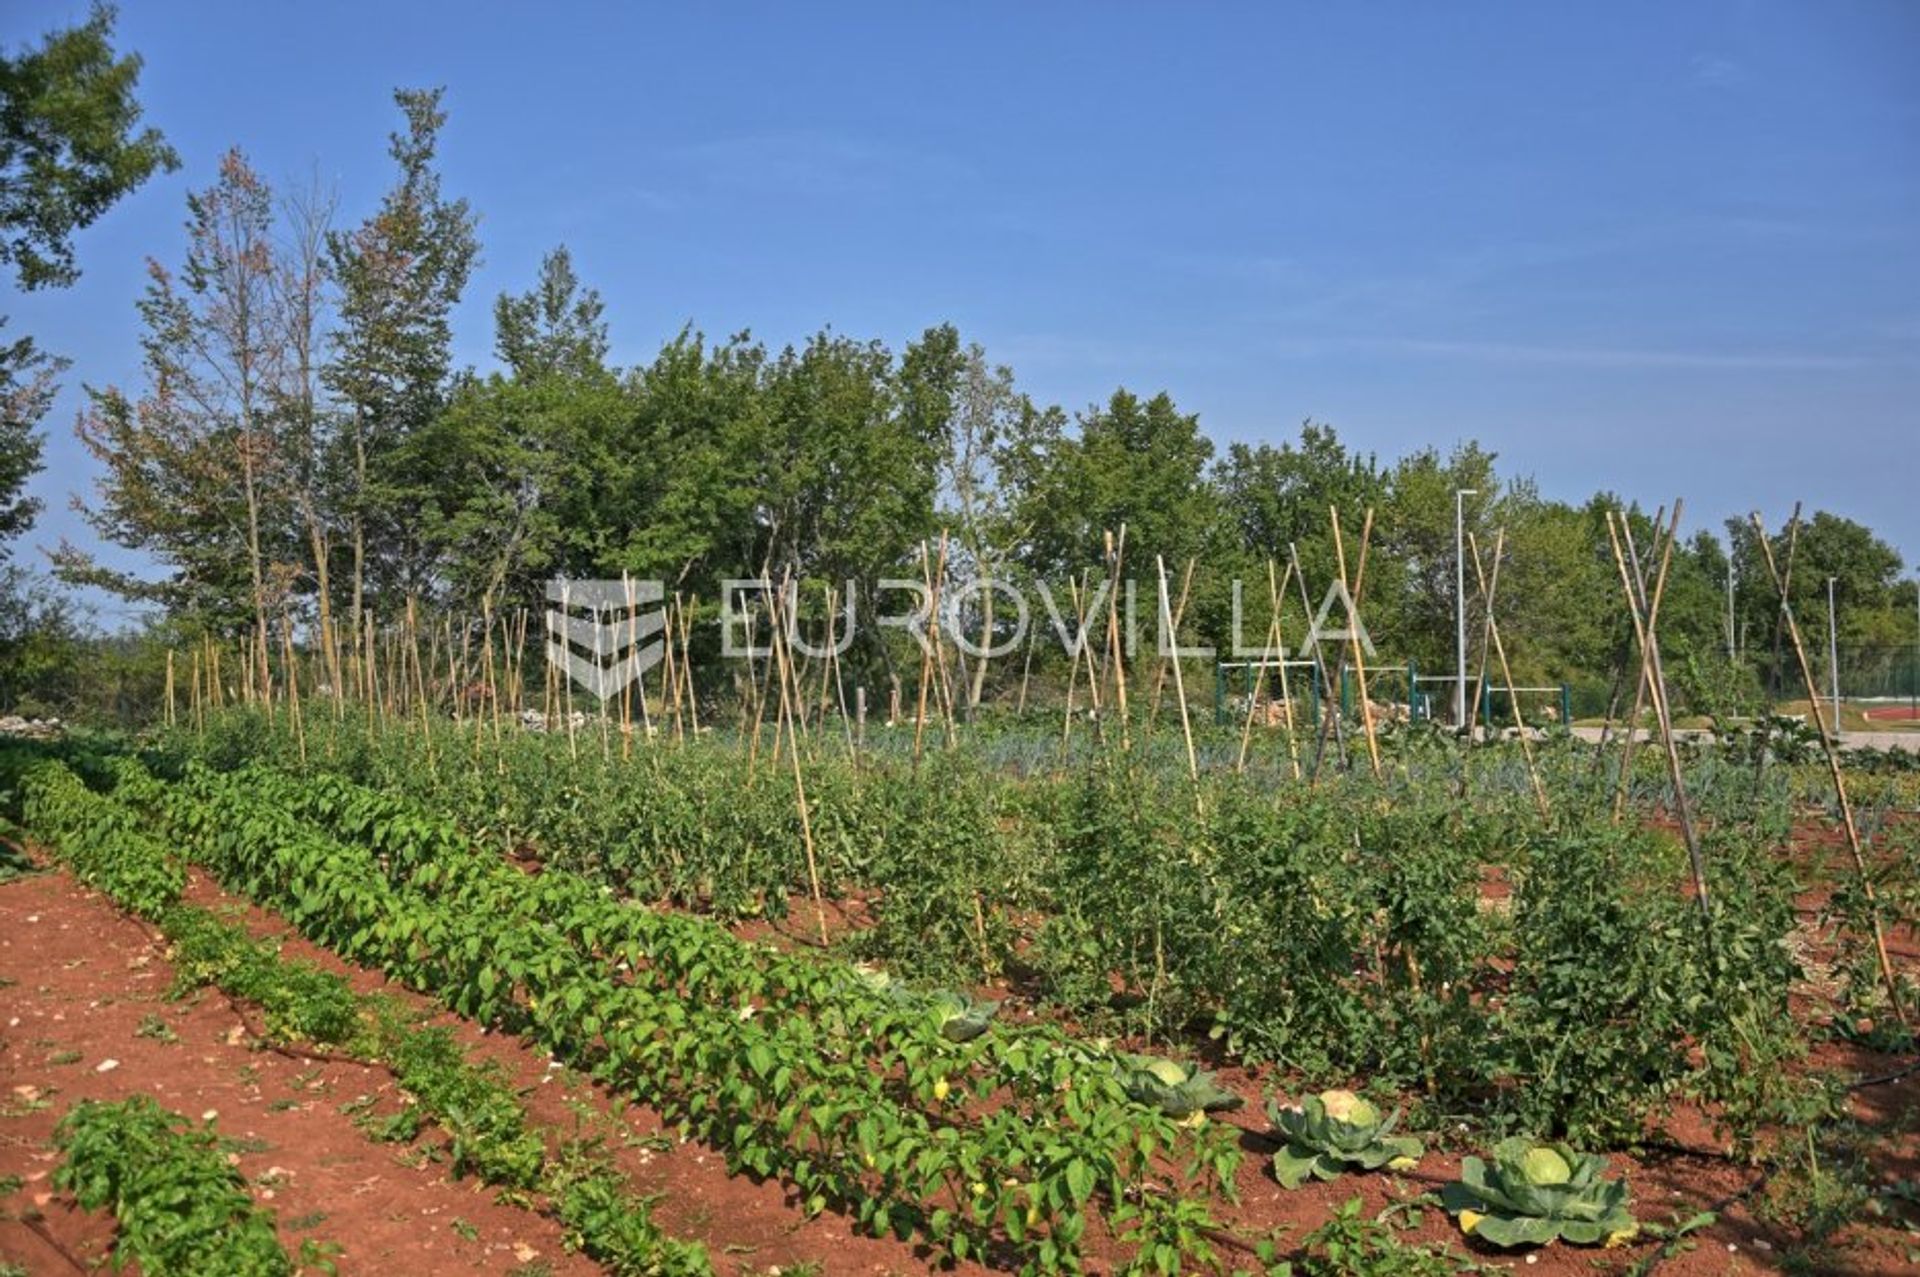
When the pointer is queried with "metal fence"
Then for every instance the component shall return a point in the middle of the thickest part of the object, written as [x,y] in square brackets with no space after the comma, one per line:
[1890,672]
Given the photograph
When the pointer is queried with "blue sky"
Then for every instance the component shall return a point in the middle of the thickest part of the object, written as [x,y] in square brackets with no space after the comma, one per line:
[1662,249]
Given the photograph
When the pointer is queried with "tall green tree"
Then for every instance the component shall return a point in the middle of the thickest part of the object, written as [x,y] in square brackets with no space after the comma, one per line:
[70,147]
[28,383]
[399,275]
[553,330]
[1138,462]
[501,479]
[1871,621]
[679,496]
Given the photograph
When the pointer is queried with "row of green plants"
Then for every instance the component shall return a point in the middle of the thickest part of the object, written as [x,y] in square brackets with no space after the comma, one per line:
[1544,977]
[182,1209]
[107,845]
[793,1066]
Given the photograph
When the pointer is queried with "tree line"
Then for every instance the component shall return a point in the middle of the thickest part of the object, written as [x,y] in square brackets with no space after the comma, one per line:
[301,449]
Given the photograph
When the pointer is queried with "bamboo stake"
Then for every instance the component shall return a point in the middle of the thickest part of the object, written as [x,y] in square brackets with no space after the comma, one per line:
[931,576]
[1082,606]
[1862,878]
[1160,671]
[669,680]
[799,783]
[1116,551]
[1613,694]
[419,681]
[758,686]
[629,654]
[1487,587]
[1260,676]
[822,699]
[373,676]
[516,661]
[1659,551]
[293,687]
[495,693]
[566,679]
[1662,551]
[686,659]
[1179,683]
[1638,605]
[1026,672]
[1276,597]
[944,685]
[1353,631]
[839,683]
[1320,671]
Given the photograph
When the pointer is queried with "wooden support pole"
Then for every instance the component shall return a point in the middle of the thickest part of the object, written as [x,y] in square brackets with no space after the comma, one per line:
[1116,640]
[1661,552]
[1274,647]
[1862,879]
[781,656]
[1353,631]
[1179,683]
[1639,605]
[929,581]
[1160,670]
[1488,585]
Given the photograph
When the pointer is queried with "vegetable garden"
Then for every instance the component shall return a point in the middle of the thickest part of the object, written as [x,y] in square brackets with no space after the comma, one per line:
[1058,1012]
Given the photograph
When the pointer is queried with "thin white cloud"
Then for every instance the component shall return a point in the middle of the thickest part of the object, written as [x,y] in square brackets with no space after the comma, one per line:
[811,162]
[1060,350]
[1712,71]
[1626,357]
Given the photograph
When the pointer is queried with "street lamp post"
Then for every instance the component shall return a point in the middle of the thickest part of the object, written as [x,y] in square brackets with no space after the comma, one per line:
[1460,603]
[1730,644]
[1833,654]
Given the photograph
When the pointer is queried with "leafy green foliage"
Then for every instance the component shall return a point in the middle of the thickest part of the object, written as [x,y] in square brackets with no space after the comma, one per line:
[959,1017]
[859,1099]
[102,841]
[607,1221]
[1176,1089]
[68,149]
[1531,1194]
[1320,929]
[1352,1244]
[474,1104]
[1334,1132]
[182,1209]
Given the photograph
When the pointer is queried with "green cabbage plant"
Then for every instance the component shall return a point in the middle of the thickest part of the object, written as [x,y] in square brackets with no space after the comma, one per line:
[960,1017]
[1174,1089]
[1530,1194]
[1335,1132]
